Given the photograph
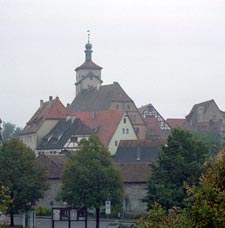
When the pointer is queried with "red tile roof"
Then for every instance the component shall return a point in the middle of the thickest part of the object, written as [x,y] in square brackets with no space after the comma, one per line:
[53,163]
[134,172]
[53,109]
[105,123]
[136,143]
[176,122]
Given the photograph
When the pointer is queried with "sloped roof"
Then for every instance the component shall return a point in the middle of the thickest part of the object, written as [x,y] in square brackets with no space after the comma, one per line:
[59,135]
[53,109]
[88,65]
[194,109]
[173,122]
[98,99]
[105,123]
[54,164]
[136,151]
[134,172]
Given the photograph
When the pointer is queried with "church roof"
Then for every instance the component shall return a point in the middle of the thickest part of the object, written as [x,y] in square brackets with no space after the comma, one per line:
[88,65]
[52,109]
[98,99]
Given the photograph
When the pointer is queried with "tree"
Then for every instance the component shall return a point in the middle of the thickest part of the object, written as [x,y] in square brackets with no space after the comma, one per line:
[90,178]
[10,131]
[213,140]
[181,161]
[4,199]
[206,202]
[24,179]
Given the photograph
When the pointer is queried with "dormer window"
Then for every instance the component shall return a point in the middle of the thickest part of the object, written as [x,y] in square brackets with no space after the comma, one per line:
[73,139]
[138,154]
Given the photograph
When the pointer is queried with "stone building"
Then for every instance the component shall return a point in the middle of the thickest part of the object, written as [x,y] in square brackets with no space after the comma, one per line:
[207,117]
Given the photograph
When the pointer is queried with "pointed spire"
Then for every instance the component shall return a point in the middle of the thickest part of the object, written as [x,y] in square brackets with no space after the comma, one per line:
[88,47]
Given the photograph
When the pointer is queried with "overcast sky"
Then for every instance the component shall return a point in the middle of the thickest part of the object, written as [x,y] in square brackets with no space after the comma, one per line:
[170,53]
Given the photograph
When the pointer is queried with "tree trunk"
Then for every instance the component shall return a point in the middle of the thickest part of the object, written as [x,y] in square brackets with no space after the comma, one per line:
[97,217]
[11,219]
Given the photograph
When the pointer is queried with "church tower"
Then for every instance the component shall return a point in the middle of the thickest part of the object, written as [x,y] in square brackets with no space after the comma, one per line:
[88,75]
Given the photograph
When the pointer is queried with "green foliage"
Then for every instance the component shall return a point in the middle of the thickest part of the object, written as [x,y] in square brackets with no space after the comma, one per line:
[5,199]
[90,177]
[10,131]
[206,203]
[41,211]
[25,180]
[213,140]
[181,161]
[158,218]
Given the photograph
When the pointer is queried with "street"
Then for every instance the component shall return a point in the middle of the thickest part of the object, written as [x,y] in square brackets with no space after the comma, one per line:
[46,223]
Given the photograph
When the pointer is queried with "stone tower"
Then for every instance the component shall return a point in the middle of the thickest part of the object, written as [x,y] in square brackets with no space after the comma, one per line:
[88,75]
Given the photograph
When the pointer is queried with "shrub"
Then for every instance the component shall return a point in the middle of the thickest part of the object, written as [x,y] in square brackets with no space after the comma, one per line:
[41,211]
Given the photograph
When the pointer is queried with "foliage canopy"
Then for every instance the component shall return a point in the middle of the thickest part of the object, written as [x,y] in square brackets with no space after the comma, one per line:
[24,179]
[90,178]
[181,161]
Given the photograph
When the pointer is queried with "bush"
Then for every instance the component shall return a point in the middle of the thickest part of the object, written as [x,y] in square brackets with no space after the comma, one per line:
[41,211]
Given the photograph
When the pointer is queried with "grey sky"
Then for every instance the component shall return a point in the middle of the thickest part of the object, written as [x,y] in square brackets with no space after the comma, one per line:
[170,53]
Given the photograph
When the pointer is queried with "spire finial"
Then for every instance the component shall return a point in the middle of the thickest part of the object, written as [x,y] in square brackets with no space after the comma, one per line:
[88,31]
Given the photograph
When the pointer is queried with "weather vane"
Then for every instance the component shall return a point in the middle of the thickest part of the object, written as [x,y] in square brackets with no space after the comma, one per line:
[88,31]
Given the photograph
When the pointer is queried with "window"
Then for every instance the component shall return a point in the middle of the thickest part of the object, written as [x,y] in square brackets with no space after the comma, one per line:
[117,106]
[124,120]
[91,77]
[137,131]
[132,118]
[127,130]
[123,130]
[73,139]
[116,143]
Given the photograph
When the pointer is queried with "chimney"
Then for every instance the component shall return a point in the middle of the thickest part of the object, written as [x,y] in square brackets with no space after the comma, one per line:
[41,104]
[93,115]
[50,101]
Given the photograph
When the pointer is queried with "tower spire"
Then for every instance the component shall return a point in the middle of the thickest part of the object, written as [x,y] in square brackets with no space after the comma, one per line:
[88,47]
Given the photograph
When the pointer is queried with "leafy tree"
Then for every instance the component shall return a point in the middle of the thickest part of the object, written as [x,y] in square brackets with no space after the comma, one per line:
[4,199]
[10,131]
[90,178]
[159,218]
[24,179]
[206,202]
[181,161]
[212,139]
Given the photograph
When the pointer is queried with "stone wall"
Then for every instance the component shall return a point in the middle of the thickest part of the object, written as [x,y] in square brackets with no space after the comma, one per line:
[50,195]
[134,193]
